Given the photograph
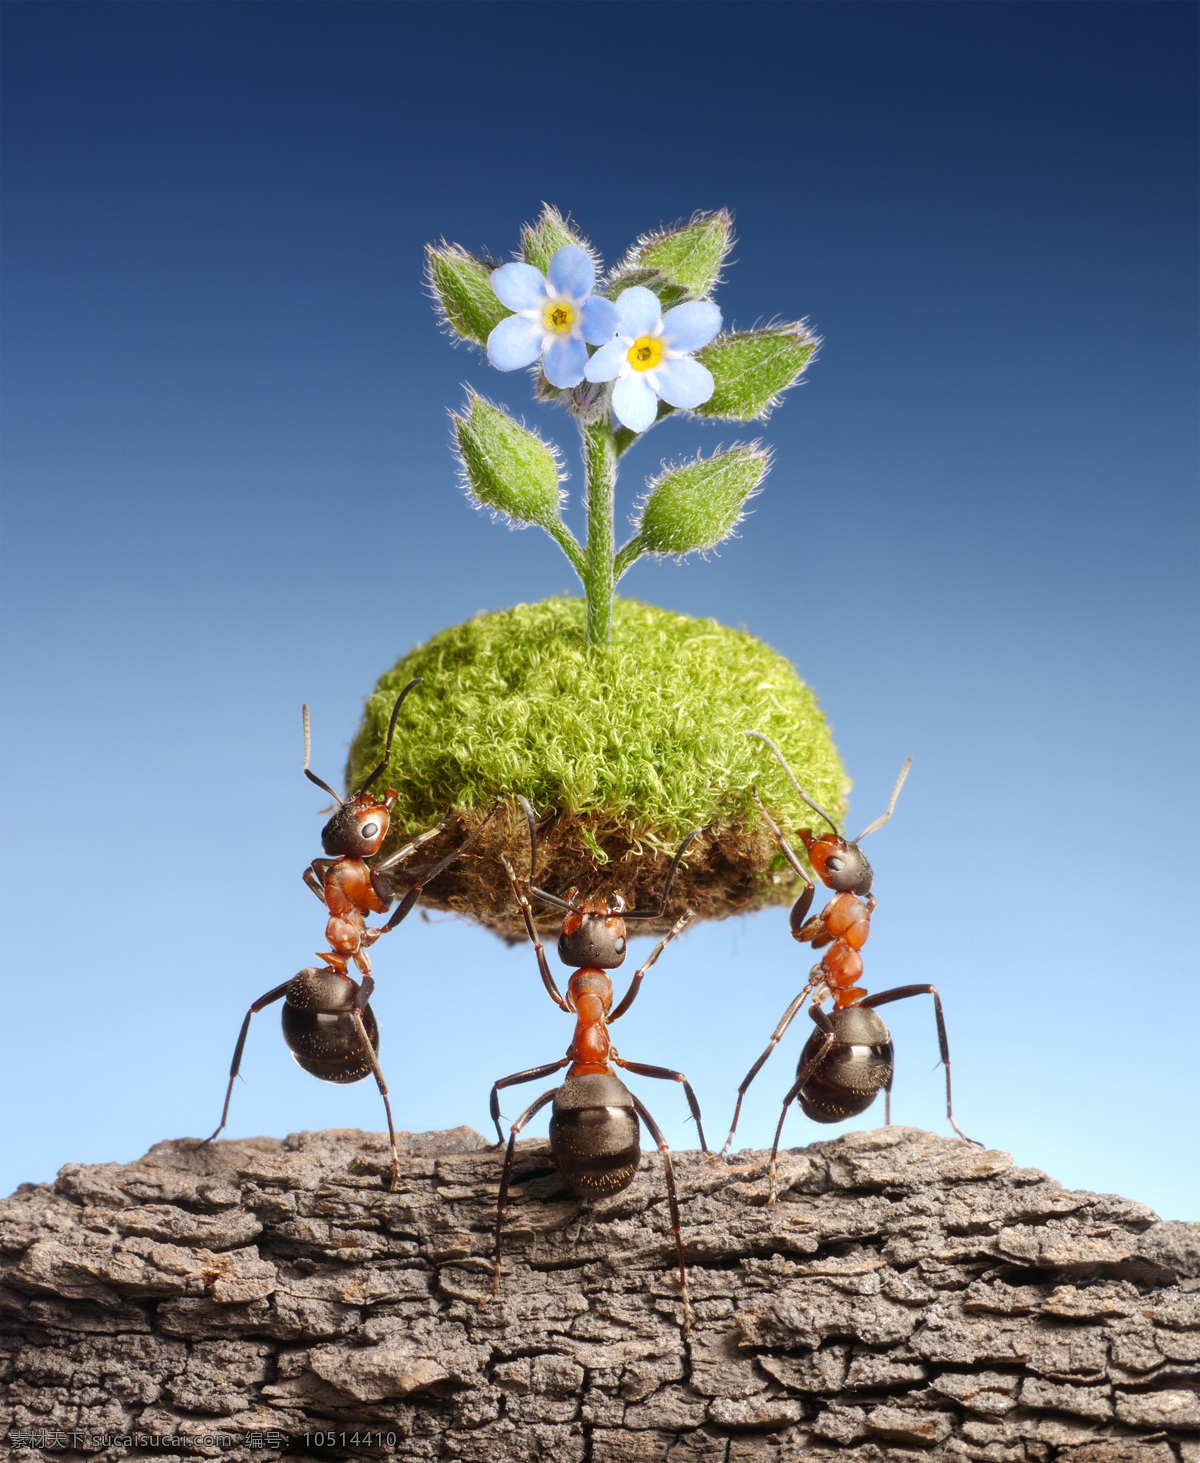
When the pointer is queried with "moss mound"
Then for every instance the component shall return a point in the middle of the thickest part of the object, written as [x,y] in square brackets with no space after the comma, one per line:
[622,751]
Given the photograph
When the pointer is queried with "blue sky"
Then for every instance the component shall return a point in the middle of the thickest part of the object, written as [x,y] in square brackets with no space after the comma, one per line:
[228,490]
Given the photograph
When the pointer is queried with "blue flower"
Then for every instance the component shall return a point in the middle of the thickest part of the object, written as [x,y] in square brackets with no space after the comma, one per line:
[651,356]
[556,313]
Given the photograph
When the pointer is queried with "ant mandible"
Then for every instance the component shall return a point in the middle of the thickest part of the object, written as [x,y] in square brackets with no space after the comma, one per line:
[328,1023]
[849,1057]
[594,1133]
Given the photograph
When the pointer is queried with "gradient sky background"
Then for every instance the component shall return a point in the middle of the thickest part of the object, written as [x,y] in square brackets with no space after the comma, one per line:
[229,491]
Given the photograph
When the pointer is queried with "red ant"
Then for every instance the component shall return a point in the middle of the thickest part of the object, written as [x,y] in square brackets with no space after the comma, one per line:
[328,1023]
[594,1133]
[849,1057]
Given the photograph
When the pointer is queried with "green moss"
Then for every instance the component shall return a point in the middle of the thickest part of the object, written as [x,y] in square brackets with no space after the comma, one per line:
[629,746]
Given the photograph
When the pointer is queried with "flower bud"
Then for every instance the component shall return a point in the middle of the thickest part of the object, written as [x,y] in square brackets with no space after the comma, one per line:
[683,263]
[461,286]
[541,241]
[506,467]
[694,507]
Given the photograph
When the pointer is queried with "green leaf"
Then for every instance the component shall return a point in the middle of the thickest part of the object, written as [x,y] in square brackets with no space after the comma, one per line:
[752,368]
[694,507]
[653,279]
[506,467]
[461,286]
[687,260]
[541,241]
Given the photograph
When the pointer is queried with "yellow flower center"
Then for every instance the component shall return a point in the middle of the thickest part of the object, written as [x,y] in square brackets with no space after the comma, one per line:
[645,353]
[558,316]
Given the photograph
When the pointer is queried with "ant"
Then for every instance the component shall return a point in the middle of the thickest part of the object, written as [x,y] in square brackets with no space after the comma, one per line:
[849,1057]
[328,1023]
[594,1133]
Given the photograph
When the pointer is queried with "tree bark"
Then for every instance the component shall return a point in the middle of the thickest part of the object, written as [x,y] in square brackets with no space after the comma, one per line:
[909,1297]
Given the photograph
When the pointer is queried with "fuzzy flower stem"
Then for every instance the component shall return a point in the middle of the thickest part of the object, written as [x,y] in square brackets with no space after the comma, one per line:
[600,467]
[628,552]
[570,546]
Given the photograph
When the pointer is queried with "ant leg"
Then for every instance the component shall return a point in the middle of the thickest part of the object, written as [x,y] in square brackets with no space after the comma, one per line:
[361,996]
[314,876]
[506,1173]
[825,1025]
[673,1201]
[804,903]
[385,866]
[785,1022]
[676,929]
[531,930]
[379,874]
[532,1074]
[406,904]
[667,1075]
[280,990]
[901,993]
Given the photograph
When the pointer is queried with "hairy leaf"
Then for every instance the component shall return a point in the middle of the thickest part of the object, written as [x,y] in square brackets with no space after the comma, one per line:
[687,260]
[653,279]
[462,287]
[697,505]
[752,369]
[541,241]
[506,467]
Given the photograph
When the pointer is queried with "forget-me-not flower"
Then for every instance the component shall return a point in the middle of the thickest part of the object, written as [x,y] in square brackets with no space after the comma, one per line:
[651,356]
[556,313]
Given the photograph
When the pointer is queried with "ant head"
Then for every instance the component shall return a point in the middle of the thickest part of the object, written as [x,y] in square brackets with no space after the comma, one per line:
[358,828]
[593,935]
[360,824]
[839,865]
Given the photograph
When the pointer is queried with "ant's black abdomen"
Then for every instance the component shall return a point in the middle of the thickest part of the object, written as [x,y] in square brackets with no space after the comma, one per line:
[854,1070]
[595,1136]
[319,1028]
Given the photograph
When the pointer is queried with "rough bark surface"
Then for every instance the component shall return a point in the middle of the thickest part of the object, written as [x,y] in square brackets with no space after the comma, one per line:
[909,1297]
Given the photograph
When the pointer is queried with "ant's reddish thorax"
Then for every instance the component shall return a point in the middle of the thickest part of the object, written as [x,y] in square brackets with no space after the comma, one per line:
[589,995]
[848,918]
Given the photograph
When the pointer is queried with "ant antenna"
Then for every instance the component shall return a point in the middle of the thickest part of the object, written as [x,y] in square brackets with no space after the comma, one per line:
[666,893]
[787,852]
[531,819]
[312,776]
[387,750]
[804,796]
[879,822]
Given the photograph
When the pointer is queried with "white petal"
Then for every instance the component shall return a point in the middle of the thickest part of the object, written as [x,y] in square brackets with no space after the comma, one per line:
[519,286]
[634,404]
[640,311]
[684,382]
[598,320]
[572,273]
[607,363]
[688,327]
[514,343]
[563,361]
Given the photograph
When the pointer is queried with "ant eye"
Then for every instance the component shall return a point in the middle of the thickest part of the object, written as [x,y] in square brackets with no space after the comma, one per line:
[369,830]
[619,945]
[834,863]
